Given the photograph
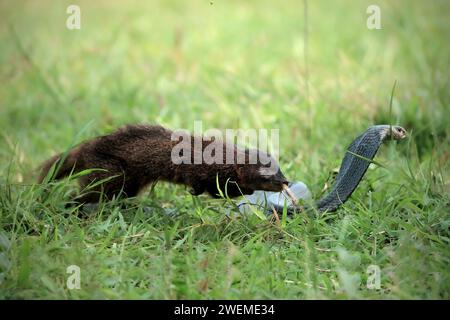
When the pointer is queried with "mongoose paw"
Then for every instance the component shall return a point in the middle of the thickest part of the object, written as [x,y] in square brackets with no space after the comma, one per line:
[196,189]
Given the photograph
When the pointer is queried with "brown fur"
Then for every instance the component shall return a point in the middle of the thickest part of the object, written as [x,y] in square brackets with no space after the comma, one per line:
[138,155]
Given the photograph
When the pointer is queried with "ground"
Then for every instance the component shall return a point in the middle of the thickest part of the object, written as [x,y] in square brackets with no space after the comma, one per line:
[232,64]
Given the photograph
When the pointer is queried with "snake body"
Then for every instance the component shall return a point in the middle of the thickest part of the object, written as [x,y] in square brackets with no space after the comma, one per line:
[357,159]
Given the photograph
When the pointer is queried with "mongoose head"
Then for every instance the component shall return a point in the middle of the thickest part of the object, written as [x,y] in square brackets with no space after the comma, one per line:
[259,176]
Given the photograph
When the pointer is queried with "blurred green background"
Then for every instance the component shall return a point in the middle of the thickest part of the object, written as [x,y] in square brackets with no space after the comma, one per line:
[231,64]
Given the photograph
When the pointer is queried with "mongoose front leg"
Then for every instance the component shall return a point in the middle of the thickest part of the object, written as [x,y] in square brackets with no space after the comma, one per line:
[197,188]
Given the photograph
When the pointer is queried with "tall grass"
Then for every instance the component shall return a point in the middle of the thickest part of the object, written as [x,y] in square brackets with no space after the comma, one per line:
[231,64]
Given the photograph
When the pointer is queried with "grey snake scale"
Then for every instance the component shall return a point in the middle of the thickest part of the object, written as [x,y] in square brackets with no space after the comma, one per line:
[357,159]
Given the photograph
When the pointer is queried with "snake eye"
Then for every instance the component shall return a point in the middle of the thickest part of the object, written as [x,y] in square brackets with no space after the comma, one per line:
[399,133]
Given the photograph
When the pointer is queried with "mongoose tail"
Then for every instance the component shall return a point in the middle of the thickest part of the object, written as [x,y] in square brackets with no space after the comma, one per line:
[61,170]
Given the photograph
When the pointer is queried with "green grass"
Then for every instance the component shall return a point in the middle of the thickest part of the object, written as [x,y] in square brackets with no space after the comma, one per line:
[232,64]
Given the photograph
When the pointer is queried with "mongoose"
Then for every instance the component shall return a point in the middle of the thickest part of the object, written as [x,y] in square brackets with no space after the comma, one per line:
[135,156]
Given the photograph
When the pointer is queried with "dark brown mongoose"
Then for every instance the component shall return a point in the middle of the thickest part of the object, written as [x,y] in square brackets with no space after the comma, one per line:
[135,156]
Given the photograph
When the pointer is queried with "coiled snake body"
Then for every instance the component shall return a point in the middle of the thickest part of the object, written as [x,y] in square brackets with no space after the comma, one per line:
[354,165]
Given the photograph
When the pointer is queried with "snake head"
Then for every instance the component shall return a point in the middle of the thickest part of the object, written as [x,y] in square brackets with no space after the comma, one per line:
[398,133]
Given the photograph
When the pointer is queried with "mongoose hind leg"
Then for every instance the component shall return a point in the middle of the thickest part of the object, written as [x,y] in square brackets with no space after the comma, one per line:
[107,184]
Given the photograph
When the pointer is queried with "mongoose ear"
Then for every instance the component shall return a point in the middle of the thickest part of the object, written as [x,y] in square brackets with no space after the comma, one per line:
[240,173]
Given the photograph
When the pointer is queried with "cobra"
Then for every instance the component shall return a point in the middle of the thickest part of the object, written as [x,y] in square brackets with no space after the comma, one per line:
[355,163]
